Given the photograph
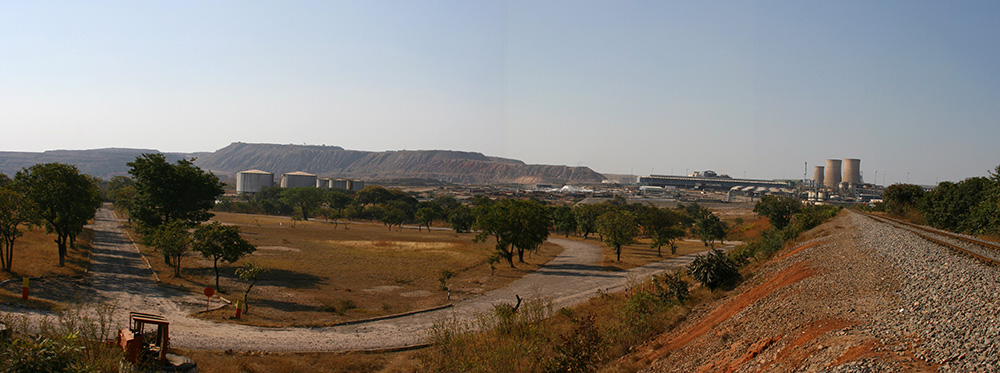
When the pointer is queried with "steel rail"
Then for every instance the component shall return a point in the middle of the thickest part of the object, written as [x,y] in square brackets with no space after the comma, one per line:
[913,228]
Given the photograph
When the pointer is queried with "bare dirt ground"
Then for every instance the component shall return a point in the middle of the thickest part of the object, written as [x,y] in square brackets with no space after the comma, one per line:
[820,306]
[119,274]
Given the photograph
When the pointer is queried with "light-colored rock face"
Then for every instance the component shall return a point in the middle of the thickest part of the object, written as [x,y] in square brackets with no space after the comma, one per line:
[444,165]
[324,161]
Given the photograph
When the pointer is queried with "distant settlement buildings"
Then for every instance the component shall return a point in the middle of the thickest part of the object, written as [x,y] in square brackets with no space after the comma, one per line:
[253,181]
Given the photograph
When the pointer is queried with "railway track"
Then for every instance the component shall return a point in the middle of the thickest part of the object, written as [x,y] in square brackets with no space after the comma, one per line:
[983,250]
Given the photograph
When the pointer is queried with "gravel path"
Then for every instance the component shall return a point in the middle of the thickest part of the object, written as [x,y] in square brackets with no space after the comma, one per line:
[864,297]
[118,273]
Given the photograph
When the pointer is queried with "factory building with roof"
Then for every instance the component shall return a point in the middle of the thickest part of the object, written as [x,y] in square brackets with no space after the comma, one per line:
[707,183]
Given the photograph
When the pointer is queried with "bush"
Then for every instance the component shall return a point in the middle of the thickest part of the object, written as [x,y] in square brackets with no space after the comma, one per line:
[715,270]
[671,287]
[581,349]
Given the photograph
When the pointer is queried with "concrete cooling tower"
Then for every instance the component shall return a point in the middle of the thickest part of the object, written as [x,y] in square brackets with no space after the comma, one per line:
[818,176]
[852,171]
[832,177]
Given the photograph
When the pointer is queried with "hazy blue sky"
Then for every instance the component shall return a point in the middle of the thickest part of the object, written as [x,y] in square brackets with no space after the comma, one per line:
[662,87]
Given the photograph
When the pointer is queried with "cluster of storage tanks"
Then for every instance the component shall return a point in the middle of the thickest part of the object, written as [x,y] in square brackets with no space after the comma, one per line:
[253,181]
[830,175]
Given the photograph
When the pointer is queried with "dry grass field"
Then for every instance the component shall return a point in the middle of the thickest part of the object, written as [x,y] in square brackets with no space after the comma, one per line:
[36,255]
[321,274]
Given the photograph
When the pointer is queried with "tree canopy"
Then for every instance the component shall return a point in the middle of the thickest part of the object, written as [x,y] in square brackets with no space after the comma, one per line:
[220,242]
[165,192]
[778,210]
[15,210]
[618,227]
[517,225]
[62,197]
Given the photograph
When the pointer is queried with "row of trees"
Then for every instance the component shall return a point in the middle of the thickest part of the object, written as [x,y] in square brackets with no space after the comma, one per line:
[392,207]
[519,226]
[169,204]
[969,206]
[54,195]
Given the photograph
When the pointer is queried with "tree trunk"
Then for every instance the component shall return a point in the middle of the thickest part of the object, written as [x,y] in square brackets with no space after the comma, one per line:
[520,256]
[61,244]
[216,264]
[3,255]
[618,251]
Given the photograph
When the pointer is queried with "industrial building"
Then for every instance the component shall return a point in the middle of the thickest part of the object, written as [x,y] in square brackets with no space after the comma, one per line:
[707,183]
[298,179]
[253,181]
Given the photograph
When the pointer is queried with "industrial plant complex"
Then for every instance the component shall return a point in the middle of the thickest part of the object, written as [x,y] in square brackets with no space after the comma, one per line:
[253,181]
[838,181]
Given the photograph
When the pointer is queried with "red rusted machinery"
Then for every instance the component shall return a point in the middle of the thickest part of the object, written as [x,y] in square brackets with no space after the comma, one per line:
[139,343]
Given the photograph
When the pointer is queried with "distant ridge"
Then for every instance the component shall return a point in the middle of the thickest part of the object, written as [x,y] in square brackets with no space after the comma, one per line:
[445,165]
[103,163]
[326,161]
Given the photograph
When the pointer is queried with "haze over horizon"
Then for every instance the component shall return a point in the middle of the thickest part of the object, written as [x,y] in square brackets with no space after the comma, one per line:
[744,88]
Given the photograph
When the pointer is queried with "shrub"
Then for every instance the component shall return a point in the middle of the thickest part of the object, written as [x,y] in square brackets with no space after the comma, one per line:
[581,349]
[715,270]
[671,287]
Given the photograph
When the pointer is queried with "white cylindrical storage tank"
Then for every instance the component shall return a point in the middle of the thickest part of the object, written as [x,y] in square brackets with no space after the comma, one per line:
[339,184]
[253,181]
[852,171]
[355,185]
[818,176]
[298,179]
[831,177]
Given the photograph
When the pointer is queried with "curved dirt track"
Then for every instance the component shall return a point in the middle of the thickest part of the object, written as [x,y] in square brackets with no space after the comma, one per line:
[119,274]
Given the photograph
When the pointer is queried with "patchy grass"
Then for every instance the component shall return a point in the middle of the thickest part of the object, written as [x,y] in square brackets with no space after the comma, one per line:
[316,267]
[236,362]
[639,253]
[36,255]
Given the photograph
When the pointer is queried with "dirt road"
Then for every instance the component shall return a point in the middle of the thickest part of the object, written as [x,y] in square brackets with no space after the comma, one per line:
[119,274]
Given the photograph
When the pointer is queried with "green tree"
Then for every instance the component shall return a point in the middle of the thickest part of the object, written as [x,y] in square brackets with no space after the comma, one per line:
[173,240]
[663,226]
[714,270]
[902,197]
[778,210]
[586,218]
[15,210]
[563,220]
[462,218]
[517,225]
[220,242]
[166,192]
[618,228]
[62,197]
[250,273]
[710,229]
[425,217]
[373,195]
[305,199]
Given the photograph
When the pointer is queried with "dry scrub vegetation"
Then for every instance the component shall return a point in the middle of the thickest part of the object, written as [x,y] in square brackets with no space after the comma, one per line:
[322,274]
